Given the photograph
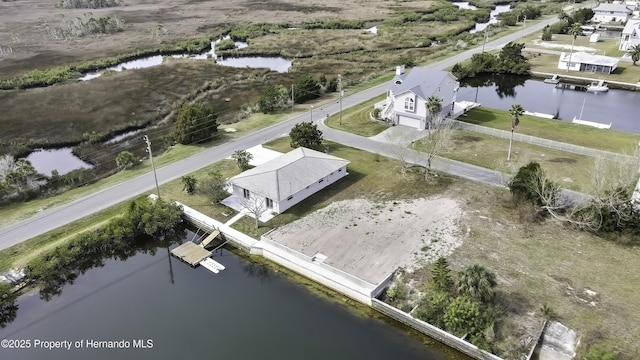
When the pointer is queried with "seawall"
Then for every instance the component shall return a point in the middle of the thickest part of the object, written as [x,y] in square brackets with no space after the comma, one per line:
[337,280]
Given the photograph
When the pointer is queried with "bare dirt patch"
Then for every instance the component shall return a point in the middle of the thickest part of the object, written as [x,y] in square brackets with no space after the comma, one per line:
[372,239]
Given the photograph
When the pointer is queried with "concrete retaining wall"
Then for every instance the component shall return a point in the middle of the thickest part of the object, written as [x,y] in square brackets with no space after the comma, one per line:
[323,274]
[335,279]
[432,331]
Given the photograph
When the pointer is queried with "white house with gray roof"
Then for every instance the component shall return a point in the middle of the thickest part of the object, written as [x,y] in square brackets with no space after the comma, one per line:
[582,61]
[606,13]
[286,180]
[408,93]
[630,35]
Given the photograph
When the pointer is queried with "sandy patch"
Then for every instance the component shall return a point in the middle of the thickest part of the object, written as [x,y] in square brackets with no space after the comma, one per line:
[564,47]
[371,240]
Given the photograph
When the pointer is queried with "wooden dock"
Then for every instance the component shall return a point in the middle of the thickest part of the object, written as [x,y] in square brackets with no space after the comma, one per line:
[191,253]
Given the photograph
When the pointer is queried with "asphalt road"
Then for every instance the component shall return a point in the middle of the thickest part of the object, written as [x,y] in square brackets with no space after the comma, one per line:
[55,217]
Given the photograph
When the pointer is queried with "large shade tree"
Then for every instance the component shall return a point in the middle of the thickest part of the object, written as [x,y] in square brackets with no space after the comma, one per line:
[196,123]
[306,134]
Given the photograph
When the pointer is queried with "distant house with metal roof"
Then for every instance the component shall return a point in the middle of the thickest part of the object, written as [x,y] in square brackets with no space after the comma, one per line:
[280,183]
[408,93]
[607,13]
[630,36]
[582,61]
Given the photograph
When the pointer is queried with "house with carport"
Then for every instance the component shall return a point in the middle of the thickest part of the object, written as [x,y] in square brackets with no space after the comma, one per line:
[407,96]
[630,36]
[288,179]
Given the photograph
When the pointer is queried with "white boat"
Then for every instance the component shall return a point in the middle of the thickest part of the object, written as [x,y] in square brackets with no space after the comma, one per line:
[555,79]
[598,86]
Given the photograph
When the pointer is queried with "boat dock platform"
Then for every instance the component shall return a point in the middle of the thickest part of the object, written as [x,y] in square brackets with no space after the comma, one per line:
[192,253]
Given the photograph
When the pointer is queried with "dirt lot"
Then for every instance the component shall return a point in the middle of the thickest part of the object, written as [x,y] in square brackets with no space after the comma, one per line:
[584,279]
[371,240]
[26,43]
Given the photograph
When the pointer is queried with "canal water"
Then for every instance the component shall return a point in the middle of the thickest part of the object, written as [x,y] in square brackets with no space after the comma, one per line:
[619,107]
[247,311]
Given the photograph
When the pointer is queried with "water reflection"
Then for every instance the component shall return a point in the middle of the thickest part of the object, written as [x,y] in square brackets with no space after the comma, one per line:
[278,64]
[616,106]
[62,160]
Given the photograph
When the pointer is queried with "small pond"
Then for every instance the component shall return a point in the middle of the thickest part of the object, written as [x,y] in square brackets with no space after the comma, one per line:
[465,5]
[62,160]
[493,20]
[278,64]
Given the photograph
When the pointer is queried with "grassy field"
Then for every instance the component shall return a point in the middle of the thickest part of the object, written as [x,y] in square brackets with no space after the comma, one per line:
[357,119]
[569,170]
[591,137]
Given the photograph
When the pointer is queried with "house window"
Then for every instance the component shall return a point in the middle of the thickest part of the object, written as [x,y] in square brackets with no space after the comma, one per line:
[339,170]
[321,180]
[290,197]
[269,203]
[409,104]
[246,193]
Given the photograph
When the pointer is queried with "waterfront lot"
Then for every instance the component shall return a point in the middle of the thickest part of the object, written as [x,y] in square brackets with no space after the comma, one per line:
[370,240]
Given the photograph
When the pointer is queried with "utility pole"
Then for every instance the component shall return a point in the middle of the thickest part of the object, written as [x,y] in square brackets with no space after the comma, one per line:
[155,176]
[340,95]
[293,99]
[485,36]
[311,114]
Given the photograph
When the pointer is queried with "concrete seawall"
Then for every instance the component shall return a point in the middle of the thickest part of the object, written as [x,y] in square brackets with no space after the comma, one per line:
[332,278]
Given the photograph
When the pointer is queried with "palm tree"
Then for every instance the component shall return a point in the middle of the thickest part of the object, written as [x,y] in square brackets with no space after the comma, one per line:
[434,107]
[516,111]
[477,282]
[574,31]
[634,51]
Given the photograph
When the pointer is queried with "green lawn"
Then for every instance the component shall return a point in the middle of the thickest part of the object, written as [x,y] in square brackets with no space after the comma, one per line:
[357,119]
[587,136]
[569,170]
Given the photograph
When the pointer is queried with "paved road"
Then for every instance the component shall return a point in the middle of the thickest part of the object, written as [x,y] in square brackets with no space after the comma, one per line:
[52,218]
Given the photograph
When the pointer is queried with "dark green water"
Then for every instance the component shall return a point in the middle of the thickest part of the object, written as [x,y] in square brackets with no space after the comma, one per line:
[246,312]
